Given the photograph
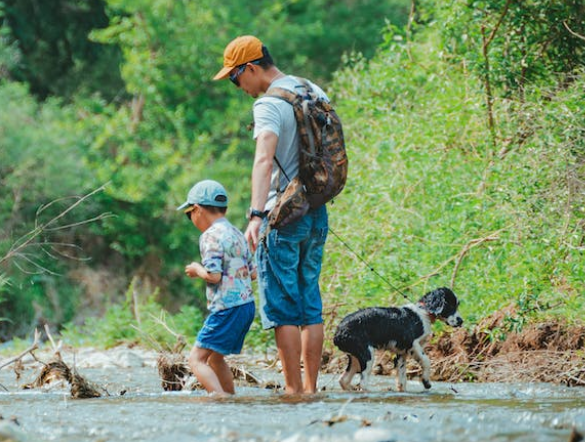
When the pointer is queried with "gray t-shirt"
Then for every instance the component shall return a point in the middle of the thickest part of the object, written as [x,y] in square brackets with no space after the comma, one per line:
[276,115]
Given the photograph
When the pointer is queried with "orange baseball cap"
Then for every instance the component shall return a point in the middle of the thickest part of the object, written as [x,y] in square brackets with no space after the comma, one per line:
[239,51]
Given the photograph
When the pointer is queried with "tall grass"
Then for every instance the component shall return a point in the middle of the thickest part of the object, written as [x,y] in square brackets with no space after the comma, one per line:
[430,201]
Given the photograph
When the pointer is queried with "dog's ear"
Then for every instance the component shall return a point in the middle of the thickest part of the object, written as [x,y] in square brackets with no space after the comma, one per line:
[436,301]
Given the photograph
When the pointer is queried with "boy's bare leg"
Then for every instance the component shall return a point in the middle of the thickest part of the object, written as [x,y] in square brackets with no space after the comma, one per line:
[223,372]
[312,345]
[288,342]
[204,373]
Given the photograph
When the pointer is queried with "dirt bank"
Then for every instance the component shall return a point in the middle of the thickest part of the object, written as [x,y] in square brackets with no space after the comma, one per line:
[543,352]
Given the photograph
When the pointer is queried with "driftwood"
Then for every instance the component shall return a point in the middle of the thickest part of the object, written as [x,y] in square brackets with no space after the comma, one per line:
[56,370]
[175,372]
[17,360]
[33,347]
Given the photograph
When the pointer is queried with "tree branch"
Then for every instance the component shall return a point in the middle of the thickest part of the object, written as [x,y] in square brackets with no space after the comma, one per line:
[573,33]
[470,245]
[495,30]
[32,348]
[28,238]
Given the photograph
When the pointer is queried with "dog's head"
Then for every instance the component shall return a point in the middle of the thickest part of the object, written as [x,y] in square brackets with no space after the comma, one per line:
[443,304]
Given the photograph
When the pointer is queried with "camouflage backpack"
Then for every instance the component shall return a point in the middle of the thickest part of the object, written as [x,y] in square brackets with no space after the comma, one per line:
[322,157]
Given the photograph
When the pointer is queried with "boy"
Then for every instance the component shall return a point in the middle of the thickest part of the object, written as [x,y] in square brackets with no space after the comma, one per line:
[227,268]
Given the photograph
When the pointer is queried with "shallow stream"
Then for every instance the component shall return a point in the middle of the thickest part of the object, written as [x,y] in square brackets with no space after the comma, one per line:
[447,412]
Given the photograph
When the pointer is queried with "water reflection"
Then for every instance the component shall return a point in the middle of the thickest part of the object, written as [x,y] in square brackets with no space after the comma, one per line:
[461,412]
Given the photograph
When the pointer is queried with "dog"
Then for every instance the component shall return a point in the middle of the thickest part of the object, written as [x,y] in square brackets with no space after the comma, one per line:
[401,330]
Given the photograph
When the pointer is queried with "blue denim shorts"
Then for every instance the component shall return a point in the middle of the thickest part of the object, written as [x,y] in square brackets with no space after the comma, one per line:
[289,266]
[224,331]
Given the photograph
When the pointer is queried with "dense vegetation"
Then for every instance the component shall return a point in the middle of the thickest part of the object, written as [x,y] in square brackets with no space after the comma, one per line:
[465,131]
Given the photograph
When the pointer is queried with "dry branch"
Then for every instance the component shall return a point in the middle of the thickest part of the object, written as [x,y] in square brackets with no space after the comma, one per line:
[492,35]
[33,347]
[27,240]
[470,245]
[573,32]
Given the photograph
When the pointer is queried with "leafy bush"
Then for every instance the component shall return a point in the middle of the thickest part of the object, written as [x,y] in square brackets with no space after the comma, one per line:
[465,159]
[139,319]
[430,200]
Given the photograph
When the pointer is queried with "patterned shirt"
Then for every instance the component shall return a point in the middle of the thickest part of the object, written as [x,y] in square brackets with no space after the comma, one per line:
[224,250]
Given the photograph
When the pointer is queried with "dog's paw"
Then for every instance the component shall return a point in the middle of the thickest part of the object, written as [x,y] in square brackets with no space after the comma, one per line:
[426,384]
[362,388]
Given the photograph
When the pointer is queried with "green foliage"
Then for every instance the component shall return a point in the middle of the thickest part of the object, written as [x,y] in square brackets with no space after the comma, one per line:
[41,163]
[4,282]
[429,203]
[55,56]
[450,183]
[515,43]
[258,338]
[180,126]
[139,319]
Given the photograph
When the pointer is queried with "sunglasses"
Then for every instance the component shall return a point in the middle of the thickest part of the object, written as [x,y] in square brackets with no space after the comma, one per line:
[240,70]
[189,211]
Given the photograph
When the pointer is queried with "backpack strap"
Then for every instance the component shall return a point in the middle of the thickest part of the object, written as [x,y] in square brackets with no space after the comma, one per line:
[292,98]
[288,95]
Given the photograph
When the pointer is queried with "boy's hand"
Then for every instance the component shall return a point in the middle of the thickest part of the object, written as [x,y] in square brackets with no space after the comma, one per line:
[195,270]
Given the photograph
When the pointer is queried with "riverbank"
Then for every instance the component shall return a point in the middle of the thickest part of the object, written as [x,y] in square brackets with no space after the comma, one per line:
[550,351]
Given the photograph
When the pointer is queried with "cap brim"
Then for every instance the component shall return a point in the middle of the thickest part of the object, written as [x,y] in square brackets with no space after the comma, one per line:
[223,73]
[182,206]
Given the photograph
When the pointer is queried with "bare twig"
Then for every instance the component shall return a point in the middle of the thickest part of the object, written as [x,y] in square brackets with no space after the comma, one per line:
[487,40]
[488,87]
[573,33]
[27,239]
[32,348]
[136,304]
[161,321]
[153,342]
[497,26]
[459,256]
[470,245]
[409,27]
[56,347]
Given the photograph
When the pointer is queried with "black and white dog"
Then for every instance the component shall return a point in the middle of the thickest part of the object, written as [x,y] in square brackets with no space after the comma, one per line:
[401,330]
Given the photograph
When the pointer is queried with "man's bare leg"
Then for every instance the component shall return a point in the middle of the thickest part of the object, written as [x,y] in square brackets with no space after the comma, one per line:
[288,342]
[312,350]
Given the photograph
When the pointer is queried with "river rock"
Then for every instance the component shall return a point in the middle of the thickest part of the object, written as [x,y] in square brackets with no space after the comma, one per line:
[370,434]
[115,358]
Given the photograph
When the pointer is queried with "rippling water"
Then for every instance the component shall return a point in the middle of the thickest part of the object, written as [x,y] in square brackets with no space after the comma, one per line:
[447,412]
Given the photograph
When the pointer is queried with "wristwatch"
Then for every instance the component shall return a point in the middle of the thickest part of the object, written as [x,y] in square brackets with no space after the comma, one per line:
[254,213]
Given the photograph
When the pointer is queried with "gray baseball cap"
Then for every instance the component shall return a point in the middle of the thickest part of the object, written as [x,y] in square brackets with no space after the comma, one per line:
[206,193]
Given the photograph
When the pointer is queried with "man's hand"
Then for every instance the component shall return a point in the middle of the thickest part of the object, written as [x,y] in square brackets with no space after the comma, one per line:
[253,233]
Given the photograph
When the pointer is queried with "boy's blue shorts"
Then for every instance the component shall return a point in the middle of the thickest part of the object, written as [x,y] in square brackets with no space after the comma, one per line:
[289,266]
[224,331]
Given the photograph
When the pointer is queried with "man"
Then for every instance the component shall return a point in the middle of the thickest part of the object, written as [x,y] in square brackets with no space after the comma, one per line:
[289,259]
